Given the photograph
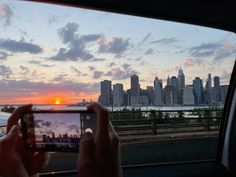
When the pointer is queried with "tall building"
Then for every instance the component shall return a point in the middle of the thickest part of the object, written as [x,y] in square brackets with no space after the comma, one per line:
[134,90]
[174,82]
[181,78]
[198,91]
[151,95]
[188,97]
[181,84]
[157,92]
[105,97]
[216,89]
[168,82]
[118,95]
[170,95]
[208,93]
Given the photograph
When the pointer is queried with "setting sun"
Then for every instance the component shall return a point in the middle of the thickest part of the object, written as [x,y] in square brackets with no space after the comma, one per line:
[57,101]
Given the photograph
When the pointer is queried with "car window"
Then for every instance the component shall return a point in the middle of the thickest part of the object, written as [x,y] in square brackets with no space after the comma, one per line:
[164,83]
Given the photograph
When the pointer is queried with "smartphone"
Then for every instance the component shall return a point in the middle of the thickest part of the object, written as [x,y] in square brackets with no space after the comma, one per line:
[56,131]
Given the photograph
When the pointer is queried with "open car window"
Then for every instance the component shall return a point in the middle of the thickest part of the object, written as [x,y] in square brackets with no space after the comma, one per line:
[164,83]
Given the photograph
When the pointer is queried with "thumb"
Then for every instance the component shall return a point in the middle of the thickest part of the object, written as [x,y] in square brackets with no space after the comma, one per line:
[86,160]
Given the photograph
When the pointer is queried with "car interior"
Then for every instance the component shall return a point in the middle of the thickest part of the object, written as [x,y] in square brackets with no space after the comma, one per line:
[219,161]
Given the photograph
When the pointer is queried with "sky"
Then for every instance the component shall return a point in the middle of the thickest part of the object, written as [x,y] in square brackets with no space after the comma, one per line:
[50,52]
[59,124]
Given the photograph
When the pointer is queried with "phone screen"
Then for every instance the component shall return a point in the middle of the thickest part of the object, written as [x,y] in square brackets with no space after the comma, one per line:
[56,131]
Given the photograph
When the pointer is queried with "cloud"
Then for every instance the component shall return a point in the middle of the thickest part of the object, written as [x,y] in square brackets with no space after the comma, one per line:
[149,51]
[145,39]
[76,70]
[59,78]
[40,63]
[97,74]
[4,55]
[19,46]
[216,50]
[25,70]
[77,44]
[6,14]
[99,59]
[91,68]
[5,71]
[111,64]
[165,41]
[191,62]
[117,46]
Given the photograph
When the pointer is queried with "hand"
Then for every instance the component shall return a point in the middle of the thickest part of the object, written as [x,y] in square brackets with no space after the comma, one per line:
[100,155]
[15,161]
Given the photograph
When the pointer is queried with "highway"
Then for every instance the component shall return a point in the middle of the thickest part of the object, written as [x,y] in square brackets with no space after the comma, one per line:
[149,152]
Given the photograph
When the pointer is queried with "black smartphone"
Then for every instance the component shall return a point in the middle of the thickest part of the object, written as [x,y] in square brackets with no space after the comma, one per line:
[56,131]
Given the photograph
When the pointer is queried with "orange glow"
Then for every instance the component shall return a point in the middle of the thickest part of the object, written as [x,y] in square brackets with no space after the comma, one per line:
[57,101]
[51,98]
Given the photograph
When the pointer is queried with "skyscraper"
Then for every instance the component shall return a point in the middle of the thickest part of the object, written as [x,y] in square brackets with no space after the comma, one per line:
[168,82]
[174,82]
[118,95]
[181,84]
[208,93]
[216,90]
[188,97]
[157,92]
[105,97]
[198,91]
[134,90]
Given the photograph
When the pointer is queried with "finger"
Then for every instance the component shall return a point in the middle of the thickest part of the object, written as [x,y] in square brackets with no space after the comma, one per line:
[40,162]
[102,118]
[18,113]
[102,138]
[12,135]
[86,160]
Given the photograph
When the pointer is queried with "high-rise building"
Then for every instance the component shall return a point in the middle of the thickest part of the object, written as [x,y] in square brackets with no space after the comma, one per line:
[181,84]
[168,82]
[198,90]
[208,93]
[118,94]
[216,90]
[105,97]
[188,97]
[151,95]
[174,82]
[170,95]
[134,90]
[157,92]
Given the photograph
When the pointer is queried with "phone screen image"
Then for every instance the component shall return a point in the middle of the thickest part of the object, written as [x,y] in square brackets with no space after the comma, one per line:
[56,131]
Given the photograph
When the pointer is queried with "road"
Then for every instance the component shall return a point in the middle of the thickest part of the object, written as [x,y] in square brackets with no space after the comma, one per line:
[152,152]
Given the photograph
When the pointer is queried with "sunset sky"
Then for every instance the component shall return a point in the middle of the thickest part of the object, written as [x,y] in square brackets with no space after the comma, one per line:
[50,52]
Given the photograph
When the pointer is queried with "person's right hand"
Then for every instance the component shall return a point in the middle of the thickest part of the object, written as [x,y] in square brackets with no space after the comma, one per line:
[100,155]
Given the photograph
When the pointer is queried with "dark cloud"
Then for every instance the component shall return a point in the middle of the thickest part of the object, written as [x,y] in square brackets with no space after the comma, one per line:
[25,70]
[46,123]
[60,78]
[5,71]
[149,51]
[19,46]
[216,50]
[204,50]
[165,41]
[6,14]
[99,59]
[77,44]
[4,55]
[97,74]
[117,46]
[73,127]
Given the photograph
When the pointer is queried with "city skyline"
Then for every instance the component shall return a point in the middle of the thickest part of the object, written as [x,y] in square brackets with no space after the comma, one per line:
[175,92]
[51,52]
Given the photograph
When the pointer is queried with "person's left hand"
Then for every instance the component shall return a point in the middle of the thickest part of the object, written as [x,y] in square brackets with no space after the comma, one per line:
[15,160]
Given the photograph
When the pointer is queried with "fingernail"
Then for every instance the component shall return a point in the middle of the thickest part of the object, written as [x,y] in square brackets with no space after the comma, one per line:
[87,135]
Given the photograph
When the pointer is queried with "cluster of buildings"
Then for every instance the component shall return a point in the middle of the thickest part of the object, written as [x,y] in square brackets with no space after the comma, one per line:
[61,139]
[176,92]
